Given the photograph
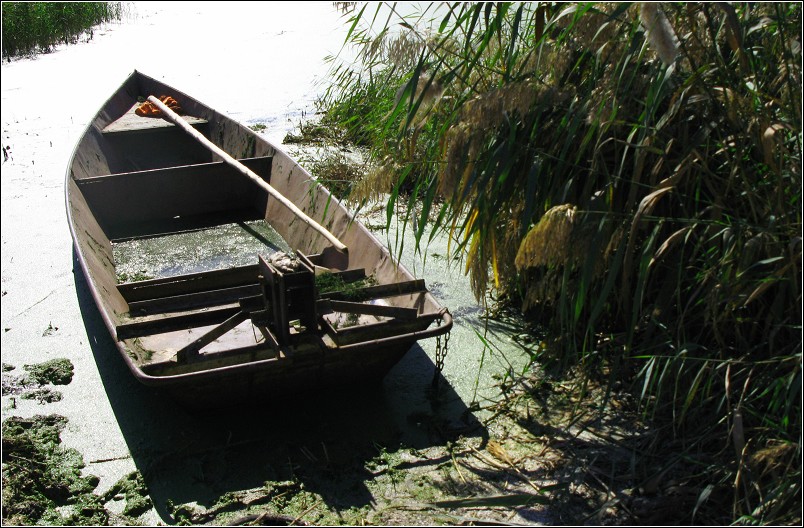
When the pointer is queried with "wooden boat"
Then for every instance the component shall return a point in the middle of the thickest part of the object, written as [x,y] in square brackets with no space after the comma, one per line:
[216,307]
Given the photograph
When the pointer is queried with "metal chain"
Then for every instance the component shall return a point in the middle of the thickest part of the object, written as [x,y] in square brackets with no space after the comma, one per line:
[440,355]
[441,351]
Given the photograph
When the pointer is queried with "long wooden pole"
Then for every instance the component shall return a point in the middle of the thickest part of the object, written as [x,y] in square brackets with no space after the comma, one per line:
[179,121]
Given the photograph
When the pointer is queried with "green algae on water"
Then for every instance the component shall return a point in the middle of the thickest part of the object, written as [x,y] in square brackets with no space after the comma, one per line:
[194,251]
[55,371]
[134,491]
[39,476]
[332,283]
[42,396]
[43,482]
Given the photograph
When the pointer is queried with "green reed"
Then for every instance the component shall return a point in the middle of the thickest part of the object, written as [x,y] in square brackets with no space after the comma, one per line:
[30,28]
[630,175]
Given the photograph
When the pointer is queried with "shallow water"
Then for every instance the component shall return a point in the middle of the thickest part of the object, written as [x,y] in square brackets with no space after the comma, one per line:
[480,352]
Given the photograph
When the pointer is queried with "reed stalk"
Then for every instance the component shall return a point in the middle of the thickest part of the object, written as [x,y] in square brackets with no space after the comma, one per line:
[30,28]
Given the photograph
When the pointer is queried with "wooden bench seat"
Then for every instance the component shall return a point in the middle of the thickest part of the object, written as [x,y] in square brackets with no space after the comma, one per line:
[131,122]
[157,201]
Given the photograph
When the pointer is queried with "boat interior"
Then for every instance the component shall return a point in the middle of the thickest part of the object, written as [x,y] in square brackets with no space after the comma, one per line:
[155,182]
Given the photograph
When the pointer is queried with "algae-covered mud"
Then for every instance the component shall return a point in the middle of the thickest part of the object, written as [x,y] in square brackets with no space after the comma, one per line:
[43,481]
[31,386]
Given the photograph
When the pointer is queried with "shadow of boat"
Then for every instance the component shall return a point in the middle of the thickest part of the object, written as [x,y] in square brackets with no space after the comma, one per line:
[323,441]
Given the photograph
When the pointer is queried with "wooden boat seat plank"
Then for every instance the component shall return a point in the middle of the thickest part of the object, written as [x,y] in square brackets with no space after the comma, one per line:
[188,283]
[201,299]
[214,168]
[132,204]
[131,122]
[192,283]
[377,310]
[139,327]
[379,291]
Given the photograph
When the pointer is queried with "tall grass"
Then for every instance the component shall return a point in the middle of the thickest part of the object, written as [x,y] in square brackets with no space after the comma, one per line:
[30,28]
[630,175]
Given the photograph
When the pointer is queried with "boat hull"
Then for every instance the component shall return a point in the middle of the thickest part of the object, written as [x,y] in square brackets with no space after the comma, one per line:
[230,331]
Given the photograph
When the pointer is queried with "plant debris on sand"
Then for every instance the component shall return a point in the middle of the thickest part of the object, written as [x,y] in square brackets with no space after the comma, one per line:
[549,457]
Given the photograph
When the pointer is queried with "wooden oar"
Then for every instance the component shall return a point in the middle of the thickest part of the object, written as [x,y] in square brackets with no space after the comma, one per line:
[179,121]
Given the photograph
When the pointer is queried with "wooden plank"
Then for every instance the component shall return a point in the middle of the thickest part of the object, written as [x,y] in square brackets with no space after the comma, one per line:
[379,291]
[192,301]
[378,310]
[131,122]
[124,202]
[172,323]
[252,304]
[190,351]
[215,168]
[188,283]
